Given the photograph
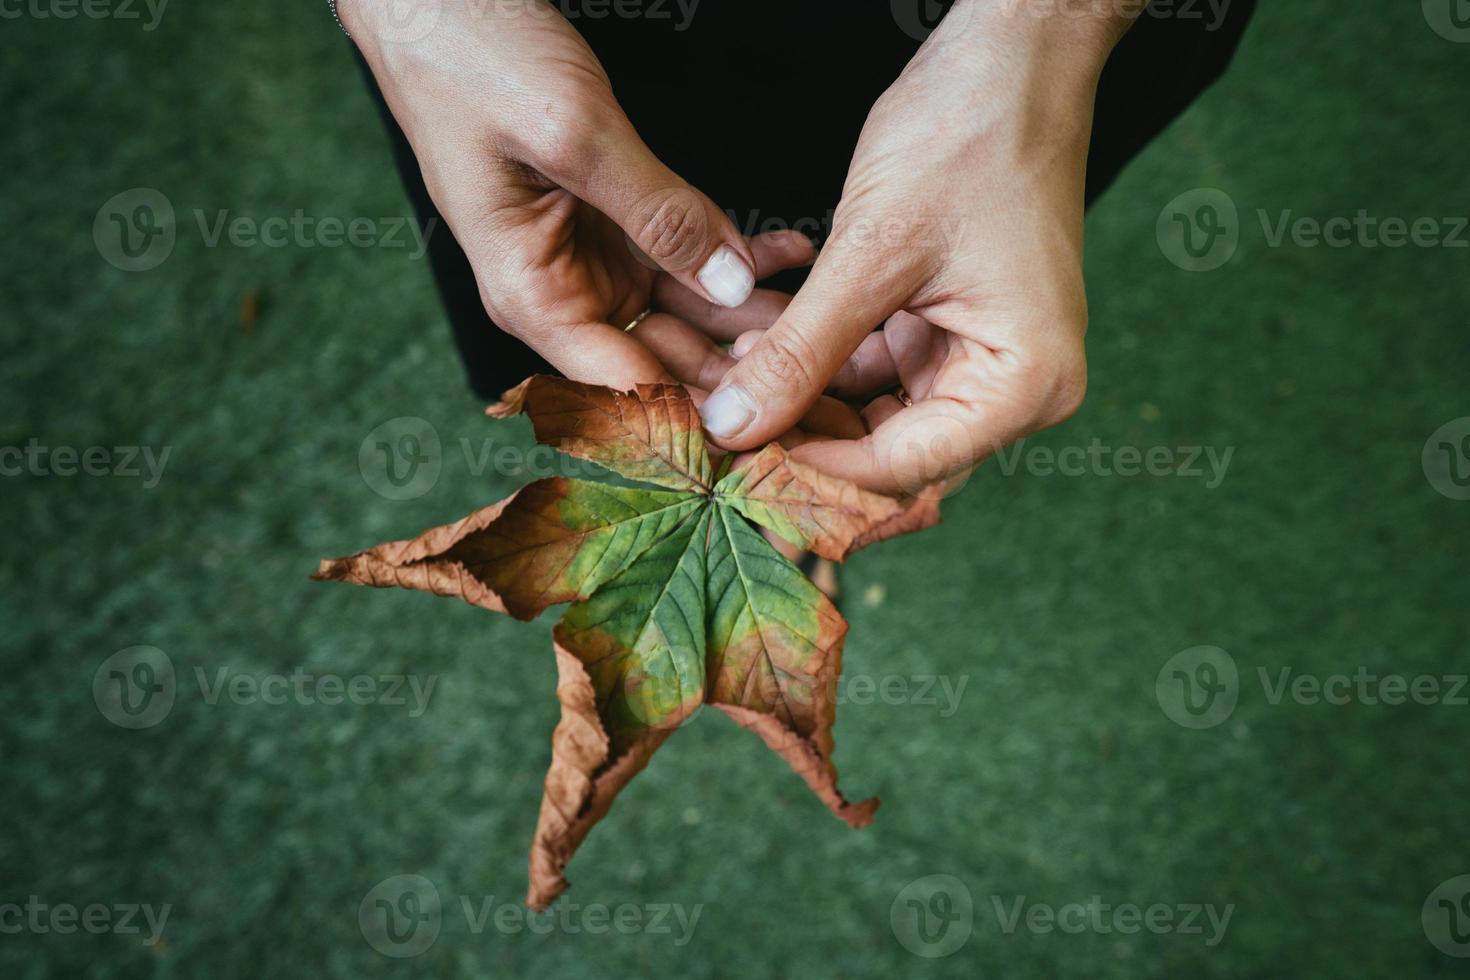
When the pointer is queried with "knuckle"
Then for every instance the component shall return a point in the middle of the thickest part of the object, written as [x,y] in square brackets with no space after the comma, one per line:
[1068,397]
[785,363]
[506,308]
[672,229]
[491,300]
[557,142]
[1064,388]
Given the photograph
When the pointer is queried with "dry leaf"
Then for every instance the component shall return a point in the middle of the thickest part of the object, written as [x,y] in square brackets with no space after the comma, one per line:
[677,600]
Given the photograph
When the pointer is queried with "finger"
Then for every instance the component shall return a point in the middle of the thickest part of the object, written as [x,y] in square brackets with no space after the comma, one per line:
[674,225]
[594,352]
[774,252]
[793,438]
[917,447]
[745,343]
[764,308]
[695,360]
[849,293]
[777,251]
[880,410]
[601,354]
[917,349]
[833,419]
[868,370]
[690,356]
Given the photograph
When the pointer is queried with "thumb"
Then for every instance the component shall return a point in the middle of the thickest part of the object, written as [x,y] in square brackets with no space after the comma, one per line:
[674,225]
[849,293]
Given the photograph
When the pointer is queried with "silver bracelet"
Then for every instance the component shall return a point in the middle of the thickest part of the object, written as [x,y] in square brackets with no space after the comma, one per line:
[332,6]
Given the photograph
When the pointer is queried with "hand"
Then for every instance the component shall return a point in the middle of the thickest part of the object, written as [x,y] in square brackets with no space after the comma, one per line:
[547,188]
[960,225]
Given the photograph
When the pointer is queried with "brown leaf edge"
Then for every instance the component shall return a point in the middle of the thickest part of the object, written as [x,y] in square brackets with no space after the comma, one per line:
[810,755]
[581,420]
[581,783]
[404,565]
[918,513]
[829,514]
[915,513]
[512,401]
[854,518]
[807,760]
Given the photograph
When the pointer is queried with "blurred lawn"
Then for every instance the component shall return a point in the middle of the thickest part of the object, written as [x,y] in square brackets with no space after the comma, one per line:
[1057,600]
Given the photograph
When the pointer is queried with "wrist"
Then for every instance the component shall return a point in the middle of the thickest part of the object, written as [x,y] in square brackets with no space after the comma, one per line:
[1077,35]
[1033,63]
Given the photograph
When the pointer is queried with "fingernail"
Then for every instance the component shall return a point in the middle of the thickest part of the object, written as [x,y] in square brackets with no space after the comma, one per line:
[727,278]
[727,412]
[745,342]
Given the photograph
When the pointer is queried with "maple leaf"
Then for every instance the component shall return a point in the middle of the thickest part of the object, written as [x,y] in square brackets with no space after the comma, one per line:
[677,600]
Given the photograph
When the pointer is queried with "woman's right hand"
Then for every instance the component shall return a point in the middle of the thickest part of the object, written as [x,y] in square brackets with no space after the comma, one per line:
[547,188]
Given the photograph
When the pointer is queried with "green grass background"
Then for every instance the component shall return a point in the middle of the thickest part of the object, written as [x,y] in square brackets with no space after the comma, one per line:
[1058,778]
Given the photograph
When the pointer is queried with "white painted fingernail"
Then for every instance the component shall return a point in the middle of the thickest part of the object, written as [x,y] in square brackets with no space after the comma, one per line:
[727,278]
[745,343]
[727,412]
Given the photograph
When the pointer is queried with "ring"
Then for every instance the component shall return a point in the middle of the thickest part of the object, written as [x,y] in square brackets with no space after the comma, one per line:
[637,320]
[903,396]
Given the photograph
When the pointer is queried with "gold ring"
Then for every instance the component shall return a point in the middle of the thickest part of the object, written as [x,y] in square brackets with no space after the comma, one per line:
[637,320]
[903,396]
